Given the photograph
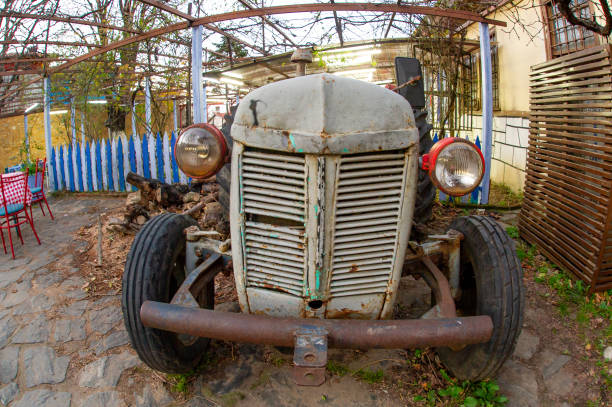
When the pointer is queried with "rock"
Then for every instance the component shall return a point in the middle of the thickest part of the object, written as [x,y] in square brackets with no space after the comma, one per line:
[561,383]
[76,294]
[607,353]
[34,304]
[76,309]
[235,375]
[8,393]
[7,327]
[153,398]
[105,319]
[44,398]
[73,282]
[9,361]
[106,371]
[47,279]
[43,366]
[67,330]
[35,331]
[555,366]
[191,197]
[133,198]
[141,220]
[519,384]
[104,399]
[526,345]
[113,340]
[13,264]
[15,298]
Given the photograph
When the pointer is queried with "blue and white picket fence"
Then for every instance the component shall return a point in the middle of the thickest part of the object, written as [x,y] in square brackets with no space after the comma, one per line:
[103,165]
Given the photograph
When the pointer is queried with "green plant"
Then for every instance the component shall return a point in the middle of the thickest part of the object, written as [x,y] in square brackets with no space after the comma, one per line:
[466,393]
[370,376]
[513,232]
[336,368]
[524,253]
[180,382]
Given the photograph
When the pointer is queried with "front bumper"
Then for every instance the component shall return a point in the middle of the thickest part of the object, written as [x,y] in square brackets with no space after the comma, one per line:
[439,327]
[341,333]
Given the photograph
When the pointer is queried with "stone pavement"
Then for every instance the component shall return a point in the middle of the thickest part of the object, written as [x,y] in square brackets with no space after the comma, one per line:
[60,348]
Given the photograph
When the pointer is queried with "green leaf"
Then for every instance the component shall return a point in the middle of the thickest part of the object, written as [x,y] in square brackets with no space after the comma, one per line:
[470,402]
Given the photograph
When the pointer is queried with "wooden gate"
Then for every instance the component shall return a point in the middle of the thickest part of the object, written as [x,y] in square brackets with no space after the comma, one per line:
[567,210]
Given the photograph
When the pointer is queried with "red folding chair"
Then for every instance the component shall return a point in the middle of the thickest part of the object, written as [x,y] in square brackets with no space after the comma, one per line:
[38,191]
[13,206]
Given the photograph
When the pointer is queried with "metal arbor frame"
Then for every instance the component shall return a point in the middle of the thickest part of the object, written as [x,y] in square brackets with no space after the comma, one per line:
[208,22]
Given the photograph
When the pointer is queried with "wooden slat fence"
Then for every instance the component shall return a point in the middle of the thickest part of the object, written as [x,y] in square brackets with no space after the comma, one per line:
[102,165]
[567,210]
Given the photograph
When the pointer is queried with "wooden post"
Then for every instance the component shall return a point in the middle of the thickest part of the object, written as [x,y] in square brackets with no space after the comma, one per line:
[82,128]
[134,131]
[487,108]
[196,73]
[148,104]
[47,120]
[72,121]
[27,138]
[175,115]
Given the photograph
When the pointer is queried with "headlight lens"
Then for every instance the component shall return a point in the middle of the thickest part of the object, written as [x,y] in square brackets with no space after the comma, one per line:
[200,150]
[455,166]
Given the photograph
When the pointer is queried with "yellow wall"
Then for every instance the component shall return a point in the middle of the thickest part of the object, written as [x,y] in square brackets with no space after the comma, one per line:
[520,45]
[12,134]
[12,131]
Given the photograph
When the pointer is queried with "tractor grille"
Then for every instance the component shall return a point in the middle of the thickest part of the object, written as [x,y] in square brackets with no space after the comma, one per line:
[274,198]
[369,194]
[273,189]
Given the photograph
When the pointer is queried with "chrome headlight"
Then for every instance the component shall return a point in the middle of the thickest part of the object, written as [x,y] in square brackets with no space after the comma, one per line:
[455,165]
[200,150]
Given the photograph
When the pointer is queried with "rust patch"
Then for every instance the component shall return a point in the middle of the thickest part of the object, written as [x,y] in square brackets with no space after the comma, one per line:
[354,268]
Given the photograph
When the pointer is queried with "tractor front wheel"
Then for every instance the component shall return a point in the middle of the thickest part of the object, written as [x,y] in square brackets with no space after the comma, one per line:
[154,270]
[491,284]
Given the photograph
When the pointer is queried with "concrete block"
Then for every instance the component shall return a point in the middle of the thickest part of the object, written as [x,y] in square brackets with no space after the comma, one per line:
[519,158]
[497,150]
[514,121]
[499,123]
[506,153]
[525,122]
[512,136]
[499,137]
[523,137]
[477,122]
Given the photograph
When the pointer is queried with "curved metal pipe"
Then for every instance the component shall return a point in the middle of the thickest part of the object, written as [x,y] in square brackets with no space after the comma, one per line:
[342,333]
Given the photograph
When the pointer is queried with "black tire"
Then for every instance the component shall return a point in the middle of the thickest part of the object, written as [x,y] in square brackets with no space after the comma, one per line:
[491,281]
[153,271]
[426,190]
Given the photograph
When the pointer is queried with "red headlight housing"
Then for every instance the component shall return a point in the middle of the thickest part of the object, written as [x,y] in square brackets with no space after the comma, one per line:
[455,165]
[200,150]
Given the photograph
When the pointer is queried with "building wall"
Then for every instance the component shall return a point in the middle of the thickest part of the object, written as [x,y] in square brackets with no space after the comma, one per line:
[13,135]
[520,45]
[509,156]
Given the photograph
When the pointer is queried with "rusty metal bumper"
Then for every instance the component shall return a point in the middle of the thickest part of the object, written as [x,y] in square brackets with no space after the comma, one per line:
[341,333]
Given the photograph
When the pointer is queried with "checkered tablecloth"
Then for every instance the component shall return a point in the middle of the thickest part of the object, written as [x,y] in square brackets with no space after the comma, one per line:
[13,191]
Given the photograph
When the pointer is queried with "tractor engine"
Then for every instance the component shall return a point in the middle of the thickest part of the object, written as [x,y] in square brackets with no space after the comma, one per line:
[323,180]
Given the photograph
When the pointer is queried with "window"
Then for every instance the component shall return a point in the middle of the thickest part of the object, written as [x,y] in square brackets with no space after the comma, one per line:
[564,37]
[476,87]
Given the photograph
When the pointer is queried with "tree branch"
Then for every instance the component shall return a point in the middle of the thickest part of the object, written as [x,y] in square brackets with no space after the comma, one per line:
[567,11]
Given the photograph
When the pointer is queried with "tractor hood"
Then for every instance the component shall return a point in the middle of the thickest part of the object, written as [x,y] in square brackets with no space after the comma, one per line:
[324,114]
